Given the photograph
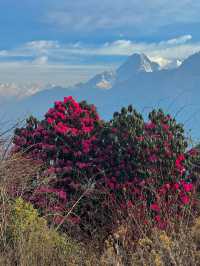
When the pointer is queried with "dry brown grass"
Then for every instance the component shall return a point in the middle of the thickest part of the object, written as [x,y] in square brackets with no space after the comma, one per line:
[179,246]
[17,173]
[26,238]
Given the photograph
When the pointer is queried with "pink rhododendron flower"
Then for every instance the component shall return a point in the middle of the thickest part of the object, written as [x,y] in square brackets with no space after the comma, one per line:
[179,162]
[150,125]
[155,207]
[62,195]
[185,199]
[81,165]
[165,127]
[176,186]
[158,218]
[188,187]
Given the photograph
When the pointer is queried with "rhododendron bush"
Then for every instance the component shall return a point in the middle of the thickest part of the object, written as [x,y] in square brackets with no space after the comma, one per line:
[63,142]
[147,166]
[132,164]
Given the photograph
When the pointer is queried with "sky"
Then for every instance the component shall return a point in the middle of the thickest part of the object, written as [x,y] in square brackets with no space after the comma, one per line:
[64,42]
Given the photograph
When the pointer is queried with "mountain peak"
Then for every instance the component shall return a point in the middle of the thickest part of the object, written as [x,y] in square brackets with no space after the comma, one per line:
[136,63]
[103,80]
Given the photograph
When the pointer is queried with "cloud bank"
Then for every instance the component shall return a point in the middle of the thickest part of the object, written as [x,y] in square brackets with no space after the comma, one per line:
[43,51]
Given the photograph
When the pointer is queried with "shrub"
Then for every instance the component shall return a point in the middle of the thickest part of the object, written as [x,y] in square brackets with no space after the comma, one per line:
[137,169]
[33,243]
[147,168]
[62,141]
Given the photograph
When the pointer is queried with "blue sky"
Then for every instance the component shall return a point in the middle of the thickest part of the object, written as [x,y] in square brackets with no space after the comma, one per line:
[65,41]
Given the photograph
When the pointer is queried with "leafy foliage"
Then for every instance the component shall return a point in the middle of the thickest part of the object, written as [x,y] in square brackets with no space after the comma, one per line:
[131,164]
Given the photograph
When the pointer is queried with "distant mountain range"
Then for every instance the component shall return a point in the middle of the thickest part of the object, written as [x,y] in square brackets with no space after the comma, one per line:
[138,81]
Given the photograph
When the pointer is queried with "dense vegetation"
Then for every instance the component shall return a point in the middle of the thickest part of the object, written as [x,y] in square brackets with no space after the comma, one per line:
[126,181]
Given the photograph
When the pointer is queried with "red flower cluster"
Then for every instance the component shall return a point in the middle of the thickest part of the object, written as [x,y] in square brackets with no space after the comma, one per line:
[179,165]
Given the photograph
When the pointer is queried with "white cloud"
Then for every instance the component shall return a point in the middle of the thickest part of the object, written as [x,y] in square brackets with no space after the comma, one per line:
[163,62]
[42,60]
[178,40]
[33,48]
[176,48]
[41,46]
[43,51]
[166,48]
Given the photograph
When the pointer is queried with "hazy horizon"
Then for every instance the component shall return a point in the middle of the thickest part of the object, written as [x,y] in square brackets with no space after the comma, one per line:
[64,43]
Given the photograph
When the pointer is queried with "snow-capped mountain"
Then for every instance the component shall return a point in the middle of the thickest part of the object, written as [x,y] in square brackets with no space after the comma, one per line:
[138,81]
[137,63]
[173,64]
[166,63]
